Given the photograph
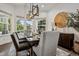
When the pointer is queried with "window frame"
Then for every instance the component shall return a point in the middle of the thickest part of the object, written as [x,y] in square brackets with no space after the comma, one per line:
[25,24]
[7,16]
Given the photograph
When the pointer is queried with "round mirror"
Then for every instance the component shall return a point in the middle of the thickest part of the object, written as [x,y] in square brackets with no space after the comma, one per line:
[61,20]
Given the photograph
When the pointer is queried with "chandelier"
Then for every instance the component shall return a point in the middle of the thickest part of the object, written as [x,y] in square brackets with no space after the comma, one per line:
[34,11]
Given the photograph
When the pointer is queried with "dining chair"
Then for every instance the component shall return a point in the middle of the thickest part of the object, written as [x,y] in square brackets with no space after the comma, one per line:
[21,37]
[20,46]
[48,44]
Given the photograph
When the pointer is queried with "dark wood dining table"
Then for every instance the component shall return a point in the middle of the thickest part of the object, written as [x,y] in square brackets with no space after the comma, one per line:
[34,42]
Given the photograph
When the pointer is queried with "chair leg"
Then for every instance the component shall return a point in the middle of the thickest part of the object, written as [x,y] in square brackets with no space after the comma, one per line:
[16,53]
[30,52]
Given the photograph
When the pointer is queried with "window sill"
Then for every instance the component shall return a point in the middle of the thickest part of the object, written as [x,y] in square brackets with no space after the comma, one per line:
[1,35]
[5,38]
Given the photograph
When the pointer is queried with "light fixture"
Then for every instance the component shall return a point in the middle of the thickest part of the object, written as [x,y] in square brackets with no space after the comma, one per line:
[34,11]
[42,6]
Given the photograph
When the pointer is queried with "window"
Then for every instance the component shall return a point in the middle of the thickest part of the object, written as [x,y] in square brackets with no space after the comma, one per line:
[9,24]
[42,25]
[5,24]
[23,24]
[20,25]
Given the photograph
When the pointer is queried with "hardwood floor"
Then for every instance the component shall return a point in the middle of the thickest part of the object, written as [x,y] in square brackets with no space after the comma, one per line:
[9,50]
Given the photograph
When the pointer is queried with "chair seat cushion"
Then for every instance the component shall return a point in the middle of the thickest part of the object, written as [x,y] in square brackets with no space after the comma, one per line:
[34,42]
[24,46]
[22,41]
[27,44]
[23,38]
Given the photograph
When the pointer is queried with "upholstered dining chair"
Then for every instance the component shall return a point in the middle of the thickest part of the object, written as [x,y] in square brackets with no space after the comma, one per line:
[20,46]
[21,37]
[24,39]
[48,44]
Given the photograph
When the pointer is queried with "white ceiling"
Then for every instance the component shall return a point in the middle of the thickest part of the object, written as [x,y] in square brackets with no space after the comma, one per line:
[43,7]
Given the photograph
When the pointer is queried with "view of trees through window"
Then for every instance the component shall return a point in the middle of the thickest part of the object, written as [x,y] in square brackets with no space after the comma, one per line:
[20,26]
[23,24]
[5,24]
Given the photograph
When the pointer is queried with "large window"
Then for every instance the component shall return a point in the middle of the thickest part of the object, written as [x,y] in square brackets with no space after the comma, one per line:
[23,24]
[5,24]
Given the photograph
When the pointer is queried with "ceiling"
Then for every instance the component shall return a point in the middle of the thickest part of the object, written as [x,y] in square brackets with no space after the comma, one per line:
[43,7]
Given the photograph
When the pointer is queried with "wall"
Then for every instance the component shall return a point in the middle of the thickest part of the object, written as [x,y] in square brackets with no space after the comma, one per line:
[42,15]
[59,8]
[19,10]
[6,38]
[6,7]
[9,9]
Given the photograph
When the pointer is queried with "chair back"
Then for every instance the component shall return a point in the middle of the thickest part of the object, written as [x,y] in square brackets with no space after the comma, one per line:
[48,44]
[20,35]
[15,40]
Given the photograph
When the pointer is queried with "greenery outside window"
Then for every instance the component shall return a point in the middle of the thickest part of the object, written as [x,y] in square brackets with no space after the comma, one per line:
[20,25]
[23,24]
[41,25]
[5,24]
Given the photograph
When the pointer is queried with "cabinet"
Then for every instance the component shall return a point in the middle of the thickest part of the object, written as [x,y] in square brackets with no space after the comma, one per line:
[66,40]
[76,47]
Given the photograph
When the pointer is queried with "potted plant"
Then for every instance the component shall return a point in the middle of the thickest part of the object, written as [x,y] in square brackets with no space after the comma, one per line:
[73,20]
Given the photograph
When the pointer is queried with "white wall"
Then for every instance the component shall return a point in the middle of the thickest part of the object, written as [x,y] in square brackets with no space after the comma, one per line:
[19,10]
[9,9]
[59,8]
[14,10]
[6,38]
[6,7]
[42,15]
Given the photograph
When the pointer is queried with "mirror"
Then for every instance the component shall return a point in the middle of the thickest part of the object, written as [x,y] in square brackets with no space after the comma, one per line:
[61,20]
